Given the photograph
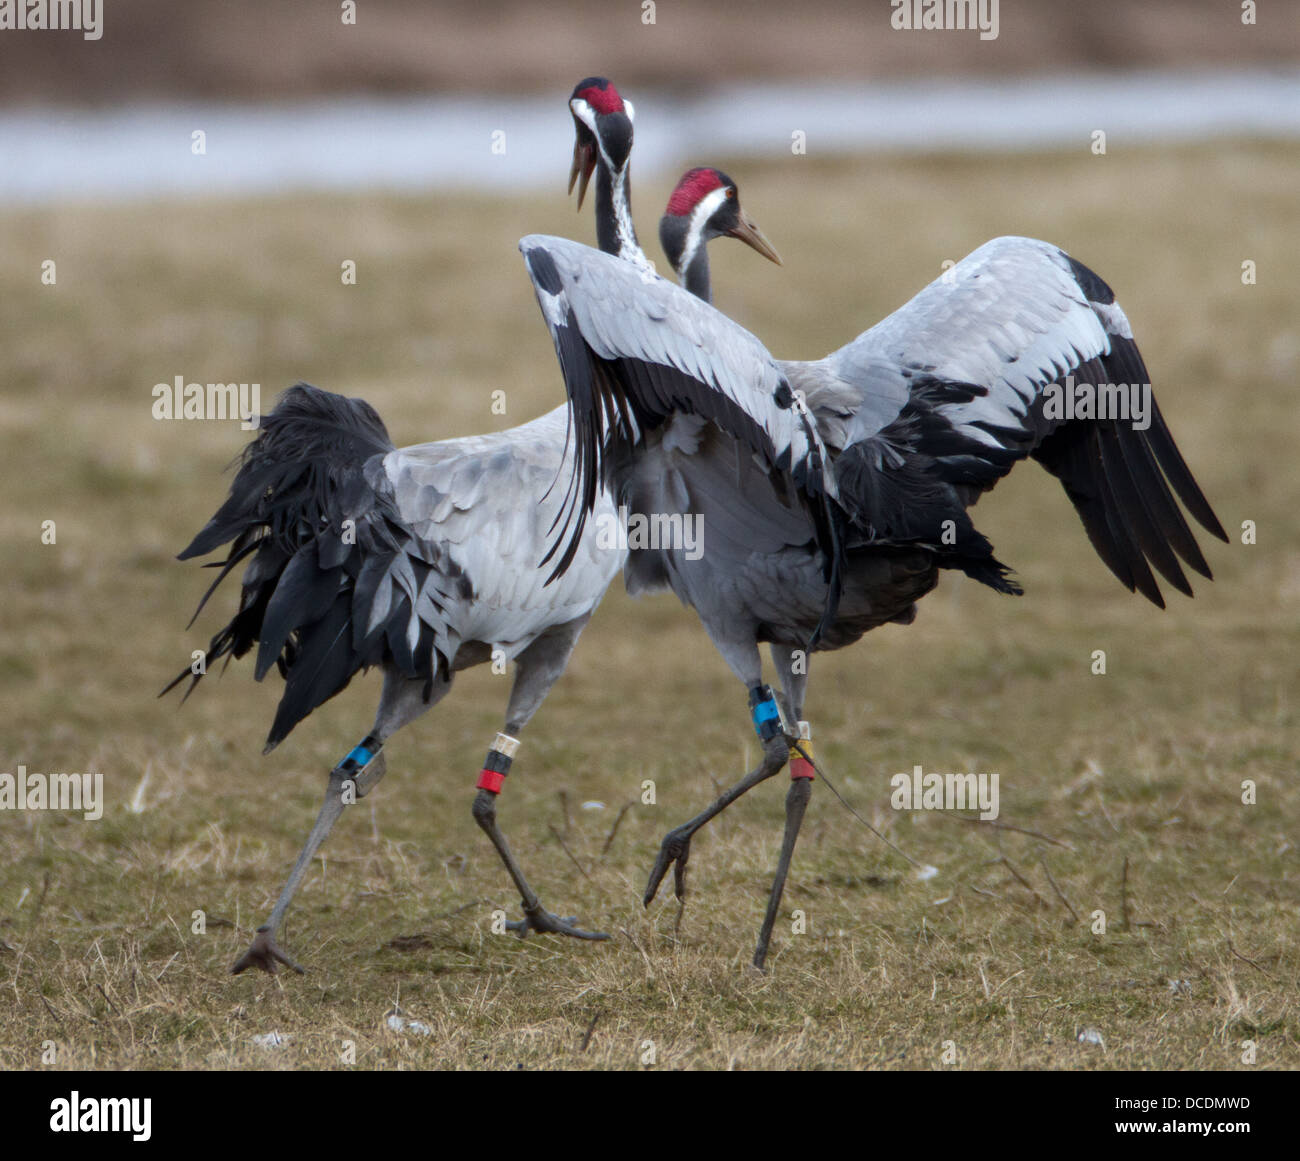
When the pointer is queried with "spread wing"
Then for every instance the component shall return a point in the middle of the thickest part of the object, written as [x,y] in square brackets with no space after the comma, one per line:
[973,373]
[635,349]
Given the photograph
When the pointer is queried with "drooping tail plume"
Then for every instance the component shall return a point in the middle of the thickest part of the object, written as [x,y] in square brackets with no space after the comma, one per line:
[337,582]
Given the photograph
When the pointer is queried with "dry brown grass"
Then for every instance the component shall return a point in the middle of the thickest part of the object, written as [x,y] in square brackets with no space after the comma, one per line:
[1144,763]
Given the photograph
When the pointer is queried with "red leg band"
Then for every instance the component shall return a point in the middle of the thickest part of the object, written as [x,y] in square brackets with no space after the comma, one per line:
[491,781]
[801,768]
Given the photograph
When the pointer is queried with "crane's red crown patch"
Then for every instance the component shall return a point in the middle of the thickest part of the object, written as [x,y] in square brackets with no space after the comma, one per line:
[694,185]
[603,100]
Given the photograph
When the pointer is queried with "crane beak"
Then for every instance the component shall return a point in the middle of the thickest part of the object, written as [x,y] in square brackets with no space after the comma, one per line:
[584,163]
[749,233]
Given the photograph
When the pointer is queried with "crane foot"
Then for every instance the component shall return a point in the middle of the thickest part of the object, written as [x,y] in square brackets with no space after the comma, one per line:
[673,852]
[264,954]
[544,922]
[676,847]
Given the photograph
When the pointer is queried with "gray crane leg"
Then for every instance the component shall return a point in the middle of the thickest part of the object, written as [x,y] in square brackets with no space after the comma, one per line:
[401,703]
[742,657]
[793,673]
[796,802]
[675,850]
[537,668]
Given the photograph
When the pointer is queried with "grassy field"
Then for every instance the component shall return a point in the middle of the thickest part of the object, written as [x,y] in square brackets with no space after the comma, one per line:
[996,954]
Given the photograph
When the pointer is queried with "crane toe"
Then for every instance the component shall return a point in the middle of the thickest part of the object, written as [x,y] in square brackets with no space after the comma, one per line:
[263,953]
[543,922]
[674,852]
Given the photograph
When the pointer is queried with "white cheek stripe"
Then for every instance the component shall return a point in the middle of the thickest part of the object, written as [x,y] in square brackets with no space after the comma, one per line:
[584,113]
[704,209]
[628,247]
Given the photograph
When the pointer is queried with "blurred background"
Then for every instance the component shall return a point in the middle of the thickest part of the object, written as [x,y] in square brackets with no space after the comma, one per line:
[408,96]
[420,143]
[257,50]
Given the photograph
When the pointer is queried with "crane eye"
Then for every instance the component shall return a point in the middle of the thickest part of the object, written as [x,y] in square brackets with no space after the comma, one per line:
[731,191]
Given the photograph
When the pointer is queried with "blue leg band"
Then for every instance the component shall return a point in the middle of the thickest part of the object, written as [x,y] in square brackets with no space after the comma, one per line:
[765,712]
[361,755]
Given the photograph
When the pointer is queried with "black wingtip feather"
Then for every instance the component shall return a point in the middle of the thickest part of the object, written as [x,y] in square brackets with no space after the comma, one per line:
[298,481]
[1180,476]
[1123,480]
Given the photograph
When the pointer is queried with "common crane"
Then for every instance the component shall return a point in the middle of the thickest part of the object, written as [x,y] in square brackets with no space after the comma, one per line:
[420,560]
[832,493]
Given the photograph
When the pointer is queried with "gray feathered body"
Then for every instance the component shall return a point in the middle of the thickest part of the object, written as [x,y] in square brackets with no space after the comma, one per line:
[424,559]
[758,573]
[832,530]
[490,501]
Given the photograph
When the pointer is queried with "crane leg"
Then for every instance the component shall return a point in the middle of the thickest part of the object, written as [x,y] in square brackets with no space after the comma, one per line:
[536,917]
[675,850]
[537,668]
[363,768]
[772,724]
[792,669]
[796,802]
[350,781]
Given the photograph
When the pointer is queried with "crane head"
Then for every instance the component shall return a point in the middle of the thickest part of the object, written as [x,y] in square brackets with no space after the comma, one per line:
[603,125]
[705,204]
